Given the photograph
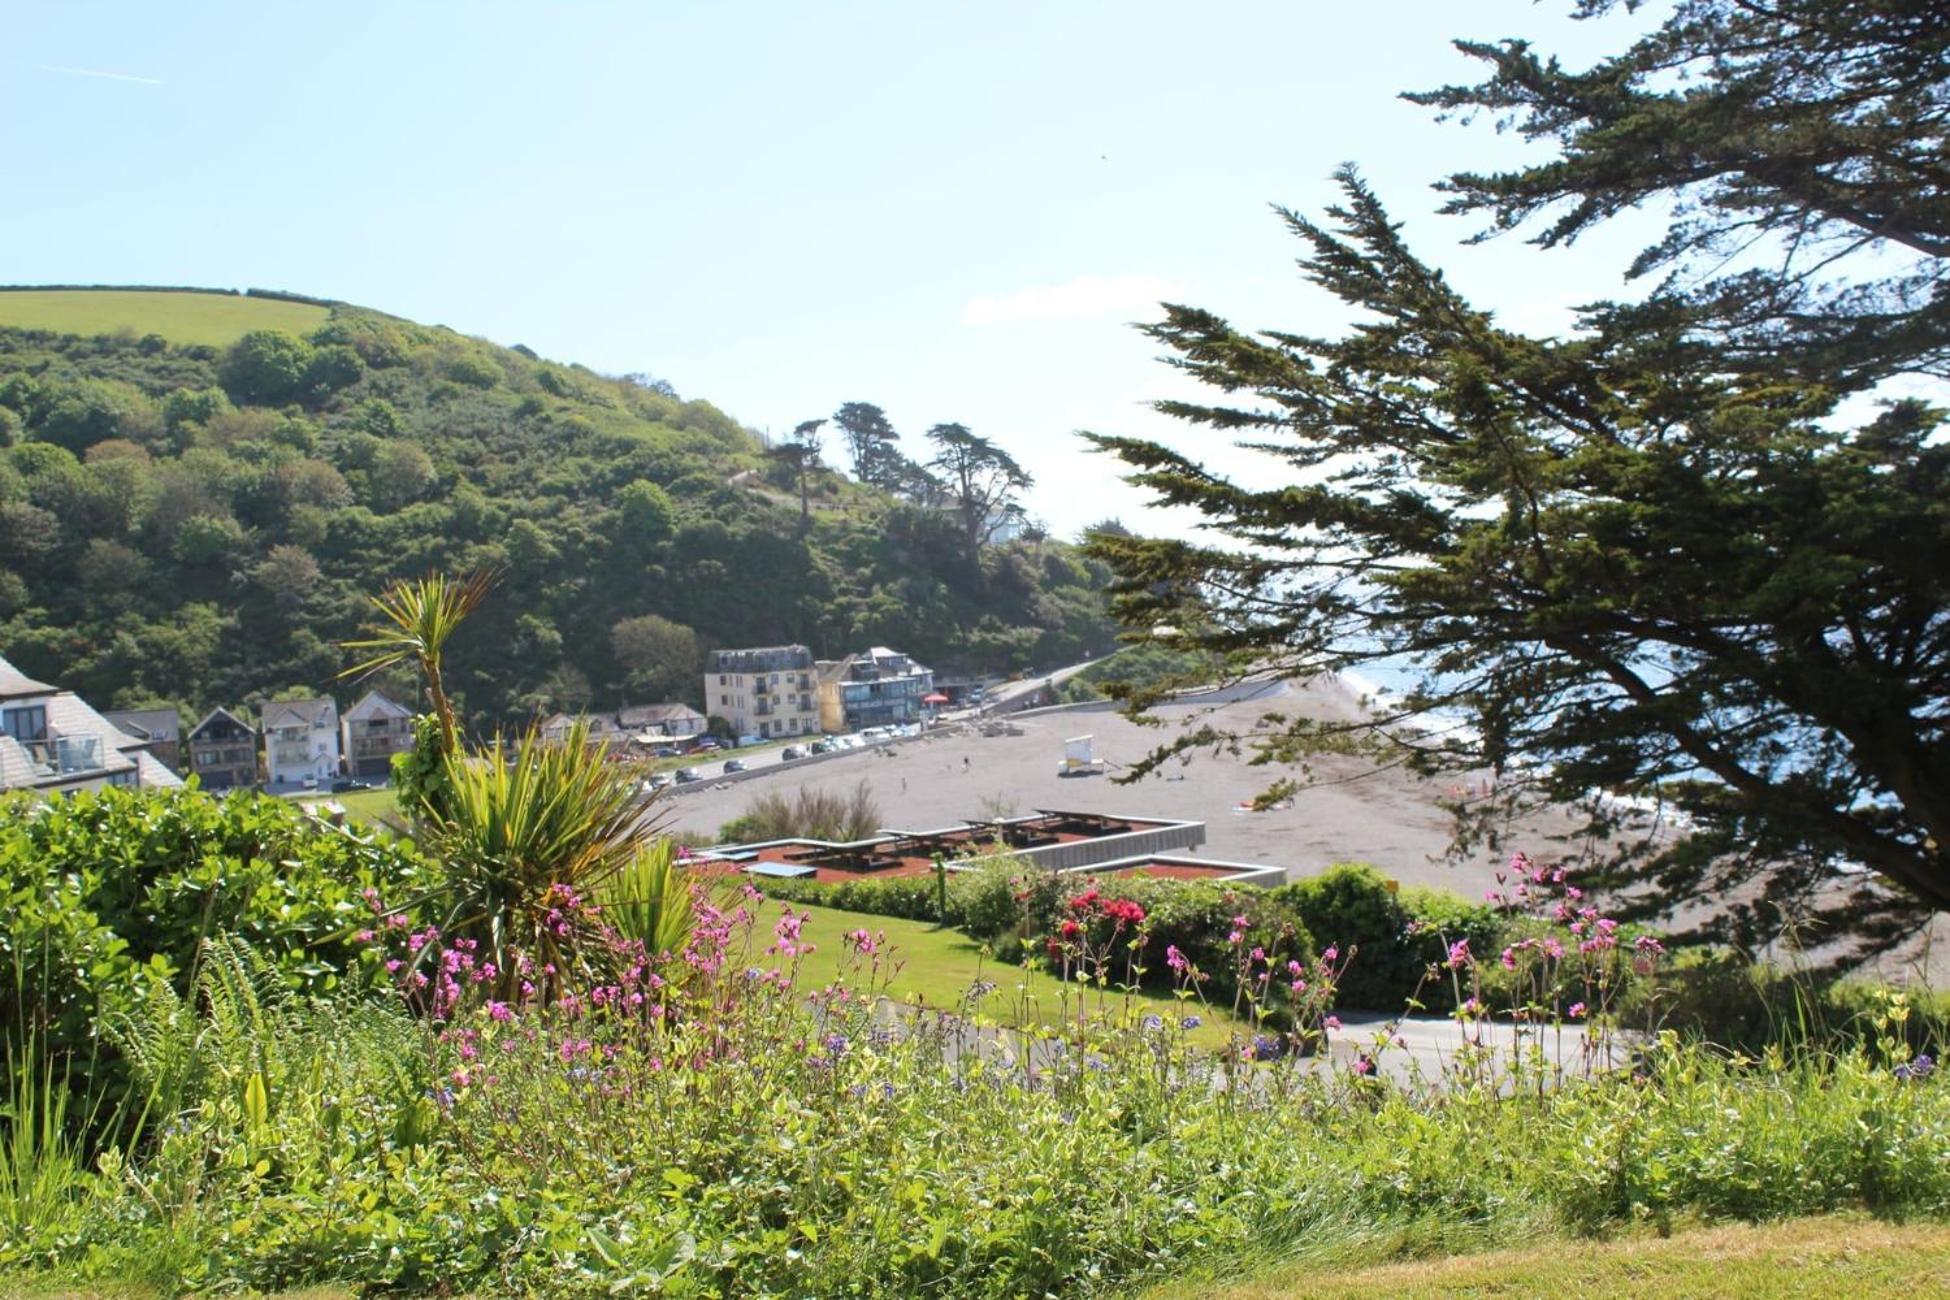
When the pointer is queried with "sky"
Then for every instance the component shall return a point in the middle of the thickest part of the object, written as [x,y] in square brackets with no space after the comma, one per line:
[953,211]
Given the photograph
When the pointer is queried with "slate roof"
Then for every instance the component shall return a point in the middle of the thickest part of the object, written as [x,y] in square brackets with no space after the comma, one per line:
[14,683]
[374,704]
[321,712]
[147,724]
[643,715]
[225,715]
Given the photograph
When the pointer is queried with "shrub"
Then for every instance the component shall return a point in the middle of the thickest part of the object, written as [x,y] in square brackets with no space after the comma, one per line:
[809,814]
[1398,935]
[101,887]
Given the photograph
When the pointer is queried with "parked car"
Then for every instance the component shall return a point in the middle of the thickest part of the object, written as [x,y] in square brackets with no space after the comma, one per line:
[686,775]
[660,781]
[734,765]
[706,744]
[346,785]
[820,747]
[791,752]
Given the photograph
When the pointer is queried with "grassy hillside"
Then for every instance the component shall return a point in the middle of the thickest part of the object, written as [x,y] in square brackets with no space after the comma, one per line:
[198,525]
[184,319]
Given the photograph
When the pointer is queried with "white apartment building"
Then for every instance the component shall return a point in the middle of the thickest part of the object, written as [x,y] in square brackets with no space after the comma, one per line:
[766,691]
[51,741]
[301,743]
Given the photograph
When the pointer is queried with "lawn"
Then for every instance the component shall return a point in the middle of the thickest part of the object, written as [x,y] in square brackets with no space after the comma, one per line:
[1837,1258]
[216,319]
[938,966]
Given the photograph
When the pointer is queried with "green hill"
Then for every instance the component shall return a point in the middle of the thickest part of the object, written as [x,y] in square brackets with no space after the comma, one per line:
[184,318]
[200,524]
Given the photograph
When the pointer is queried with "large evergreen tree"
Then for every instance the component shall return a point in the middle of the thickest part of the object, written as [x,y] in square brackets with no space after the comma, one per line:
[1656,559]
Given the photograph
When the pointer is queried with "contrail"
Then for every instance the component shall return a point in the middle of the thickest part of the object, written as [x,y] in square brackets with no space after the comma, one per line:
[93,72]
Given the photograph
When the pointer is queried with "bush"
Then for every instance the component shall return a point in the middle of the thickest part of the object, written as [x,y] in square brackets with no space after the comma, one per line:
[1398,934]
[810,814]
[102,886]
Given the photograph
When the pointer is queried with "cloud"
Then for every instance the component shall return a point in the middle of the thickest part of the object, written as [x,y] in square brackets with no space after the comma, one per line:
[1083,298]
[93,72]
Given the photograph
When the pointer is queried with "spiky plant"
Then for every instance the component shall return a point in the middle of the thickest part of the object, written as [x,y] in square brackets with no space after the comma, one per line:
[531,834]
[648,900]
[418,615]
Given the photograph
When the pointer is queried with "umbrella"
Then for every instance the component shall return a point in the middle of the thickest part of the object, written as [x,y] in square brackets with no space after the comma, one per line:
[936,698]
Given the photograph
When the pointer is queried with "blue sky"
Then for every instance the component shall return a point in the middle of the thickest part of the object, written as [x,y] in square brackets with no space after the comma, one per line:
[952,211]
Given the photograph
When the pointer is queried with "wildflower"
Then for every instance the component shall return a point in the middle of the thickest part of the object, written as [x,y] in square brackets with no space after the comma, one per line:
[1332,954]
[1577,1010]
[499,1011]
[1363,1064]
[1647,945]
[1332,1022]
[1154,1022]
[1175,959]
[1553,949]
[1509,959]
[1190,1022]
[1459,954]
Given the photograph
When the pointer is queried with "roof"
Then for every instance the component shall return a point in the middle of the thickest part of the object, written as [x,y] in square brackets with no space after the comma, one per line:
[374,704]
[149,770]
[762,659]
[14,683]
[635,715]
[321,712]
[70,720]
[147,724]
[221,714]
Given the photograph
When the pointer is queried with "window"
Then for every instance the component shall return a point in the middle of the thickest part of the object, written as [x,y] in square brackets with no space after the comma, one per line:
[28,722]
[721,679]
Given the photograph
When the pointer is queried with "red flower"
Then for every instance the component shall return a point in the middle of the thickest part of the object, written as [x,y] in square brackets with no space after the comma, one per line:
[1071,929]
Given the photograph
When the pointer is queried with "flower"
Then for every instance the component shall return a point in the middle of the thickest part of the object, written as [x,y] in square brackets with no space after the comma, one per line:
[1577,1010]
[1363,1064]
[1332,1022]
[1459,954]
[1190,1022]
[1175,959]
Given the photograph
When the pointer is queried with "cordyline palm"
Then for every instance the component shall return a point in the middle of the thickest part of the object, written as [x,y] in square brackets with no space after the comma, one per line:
[530,839]
[419,614]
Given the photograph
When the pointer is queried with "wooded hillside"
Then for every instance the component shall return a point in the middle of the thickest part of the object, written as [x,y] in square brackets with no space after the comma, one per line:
[201,526]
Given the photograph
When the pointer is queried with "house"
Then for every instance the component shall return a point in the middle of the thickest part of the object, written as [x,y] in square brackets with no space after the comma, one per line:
[660,721]
[223,751]
[876,688]
[161,729]
[51,741]
[766,691]
[371,732]
[301,743]
[602,727]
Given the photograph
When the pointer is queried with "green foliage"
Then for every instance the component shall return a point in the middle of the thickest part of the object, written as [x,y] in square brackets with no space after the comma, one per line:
[106,890]
[528,831]
[1394,936]
[385,449]
[265,366]
[648,901]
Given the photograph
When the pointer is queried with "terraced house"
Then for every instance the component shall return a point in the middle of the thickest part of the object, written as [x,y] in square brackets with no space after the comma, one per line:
[765,691]
[372,731]
[301,743]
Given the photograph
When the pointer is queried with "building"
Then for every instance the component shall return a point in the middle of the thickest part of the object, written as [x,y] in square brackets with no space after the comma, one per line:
[301,744]
[1051,840]
[371,732]
[223,751]
[51,741]
[159,729]
[878,688]
[768,691]
[650,723]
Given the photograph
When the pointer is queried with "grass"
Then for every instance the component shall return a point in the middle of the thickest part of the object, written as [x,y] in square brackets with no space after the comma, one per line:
[939,965]
[370,807]
[1841,1257]
[1832,1258]
[216,319]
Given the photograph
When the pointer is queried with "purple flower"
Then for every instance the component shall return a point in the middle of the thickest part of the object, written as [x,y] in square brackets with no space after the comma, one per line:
[1190,1022]
[1459,954]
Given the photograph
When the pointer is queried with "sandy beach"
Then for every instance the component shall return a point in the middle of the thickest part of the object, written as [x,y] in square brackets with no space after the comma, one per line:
[1350,812]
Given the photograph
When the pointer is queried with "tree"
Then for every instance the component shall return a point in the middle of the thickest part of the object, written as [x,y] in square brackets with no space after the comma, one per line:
[1801,144]
[1625,568]
[801,453]
[401,474]
[288,574]
[870,444]
[659,656]
[266,366]
[983,482]
[647,511]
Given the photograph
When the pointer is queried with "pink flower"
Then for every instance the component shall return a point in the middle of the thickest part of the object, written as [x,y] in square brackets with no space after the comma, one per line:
[1459,954]
[1577,1010]
[1363,1064]
[1333,953]
[499,1011]
[1175,959]
[1332,1022]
